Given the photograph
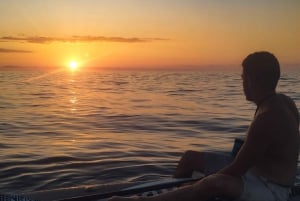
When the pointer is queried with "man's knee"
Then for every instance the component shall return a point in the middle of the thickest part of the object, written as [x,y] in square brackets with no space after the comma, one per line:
[190,156]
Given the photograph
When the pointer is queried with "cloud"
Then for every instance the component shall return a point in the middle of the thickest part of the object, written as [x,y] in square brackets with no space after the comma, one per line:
[4,50]
[43,39]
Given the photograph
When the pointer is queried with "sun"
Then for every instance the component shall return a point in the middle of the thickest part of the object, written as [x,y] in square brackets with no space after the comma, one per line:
[73,65]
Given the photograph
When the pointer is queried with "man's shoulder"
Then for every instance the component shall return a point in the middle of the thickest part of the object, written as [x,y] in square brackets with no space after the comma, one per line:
[286,100]
[268,115]
[279,115]
[289,107]
[280,107]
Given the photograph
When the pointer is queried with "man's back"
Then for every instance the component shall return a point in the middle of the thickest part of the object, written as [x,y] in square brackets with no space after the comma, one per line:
[279,120]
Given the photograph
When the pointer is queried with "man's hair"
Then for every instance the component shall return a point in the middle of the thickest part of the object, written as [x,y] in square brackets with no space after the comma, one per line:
[264,68]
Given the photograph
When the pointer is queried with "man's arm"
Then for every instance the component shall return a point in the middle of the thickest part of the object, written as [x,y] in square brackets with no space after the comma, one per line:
[254,148]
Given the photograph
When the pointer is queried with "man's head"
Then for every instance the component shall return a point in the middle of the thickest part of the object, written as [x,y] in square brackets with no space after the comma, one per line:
[261,72]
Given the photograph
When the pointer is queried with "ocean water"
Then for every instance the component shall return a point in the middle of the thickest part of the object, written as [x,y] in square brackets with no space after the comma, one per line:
[65,129]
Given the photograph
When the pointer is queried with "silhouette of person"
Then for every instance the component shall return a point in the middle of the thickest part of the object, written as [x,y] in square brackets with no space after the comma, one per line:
[266,164]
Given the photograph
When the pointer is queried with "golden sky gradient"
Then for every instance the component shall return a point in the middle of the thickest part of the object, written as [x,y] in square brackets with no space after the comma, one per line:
[146,34]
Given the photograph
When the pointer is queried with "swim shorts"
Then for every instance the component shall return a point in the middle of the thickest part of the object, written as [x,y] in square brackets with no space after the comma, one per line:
[257,188]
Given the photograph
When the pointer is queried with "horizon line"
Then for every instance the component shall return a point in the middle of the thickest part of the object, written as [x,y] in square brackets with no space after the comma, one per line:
[154,67]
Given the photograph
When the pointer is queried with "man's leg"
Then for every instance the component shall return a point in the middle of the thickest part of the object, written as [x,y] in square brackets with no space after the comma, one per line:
[205,162]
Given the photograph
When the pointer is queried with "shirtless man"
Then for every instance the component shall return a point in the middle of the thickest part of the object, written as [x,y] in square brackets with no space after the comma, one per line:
[266,165]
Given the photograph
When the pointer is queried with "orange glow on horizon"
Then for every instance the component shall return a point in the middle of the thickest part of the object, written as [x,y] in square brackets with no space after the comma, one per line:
[202,35]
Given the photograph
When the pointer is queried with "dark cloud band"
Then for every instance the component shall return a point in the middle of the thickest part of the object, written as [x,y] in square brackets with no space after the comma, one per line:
[4,50]
[42,39]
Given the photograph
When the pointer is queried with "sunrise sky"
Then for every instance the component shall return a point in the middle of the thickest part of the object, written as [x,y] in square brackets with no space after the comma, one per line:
[146,33]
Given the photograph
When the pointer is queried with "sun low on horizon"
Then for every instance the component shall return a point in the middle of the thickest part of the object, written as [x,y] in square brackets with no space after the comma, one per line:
[73,65]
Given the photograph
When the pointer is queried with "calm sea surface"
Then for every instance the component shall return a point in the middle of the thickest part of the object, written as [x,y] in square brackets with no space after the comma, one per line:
[64,129]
